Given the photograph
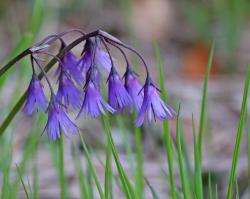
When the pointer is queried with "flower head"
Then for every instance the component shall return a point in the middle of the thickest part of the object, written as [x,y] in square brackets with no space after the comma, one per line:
[93,102]
[68,92]
[58,122]
[36,97]
[134,89]
[70,64]
[152,103]
[117,94]
[93,52]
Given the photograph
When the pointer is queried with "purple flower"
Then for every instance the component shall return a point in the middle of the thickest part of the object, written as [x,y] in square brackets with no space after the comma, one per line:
[84,62]
[153,103]
[36,96]
[100,57]
[68,92]
[134,89]
[70,64]
[58,122]
[93,102]
[117,94]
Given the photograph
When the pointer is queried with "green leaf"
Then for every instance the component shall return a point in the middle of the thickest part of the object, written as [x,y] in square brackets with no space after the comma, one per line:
[239,136]
[166,131]
[204,101]
[91,167]
[197,167]
[182,170]
[62,179]
[79,172]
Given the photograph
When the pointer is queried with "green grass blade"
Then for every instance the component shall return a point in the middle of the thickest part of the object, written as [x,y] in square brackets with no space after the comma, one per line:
[204,102]
[90,183]
[197,167]
[216,192]
[153,192]
[79,172]
[108,171]
[127,187]
[182,169]
[62,180]
[210,187]
[139,180]
[24,187]
[239,136]
[127,142]
[35,180]
[237,190]
[91,167]
[166,130]
[6,143]
[248,148]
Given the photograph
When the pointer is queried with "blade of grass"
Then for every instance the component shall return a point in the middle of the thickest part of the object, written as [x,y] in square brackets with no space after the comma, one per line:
[186,158]
[166,130]
[90,183]
[24,187]
[204,102]
[91,167]
[127,142]
[182,169]
[153,192]
[128,189]
[237,190]
[248,147]
[239,135]
[139,180]
[62,180]
[210,187]
[197,167]
[6,143]
[108,171]
[79,172]
[35,180]
[216,192]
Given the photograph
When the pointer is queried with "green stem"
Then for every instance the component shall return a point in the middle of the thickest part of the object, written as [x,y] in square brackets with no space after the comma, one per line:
[139,160]
[108,182]
[204,102]
[91,167]
[239,136]
[61,169]
[166,130]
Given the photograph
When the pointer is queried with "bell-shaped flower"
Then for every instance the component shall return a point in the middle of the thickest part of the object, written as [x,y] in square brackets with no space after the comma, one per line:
[36,97]
[117,94]
[58,122]
[153,105]
[68,93]
[93,102]
[134,89]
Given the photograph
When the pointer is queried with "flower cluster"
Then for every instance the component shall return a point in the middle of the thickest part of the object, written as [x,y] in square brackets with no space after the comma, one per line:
[79,84]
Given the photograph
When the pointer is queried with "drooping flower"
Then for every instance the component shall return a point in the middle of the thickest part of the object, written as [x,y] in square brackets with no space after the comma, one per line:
[153,105]
[58,122]
[84,62]
[70,64]
[36,97]
[68,92]
[93,102]
[93,54]
[134,89]
[117,94]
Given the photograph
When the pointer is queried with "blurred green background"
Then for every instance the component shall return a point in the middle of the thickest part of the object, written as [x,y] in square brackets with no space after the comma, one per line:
[184,31]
